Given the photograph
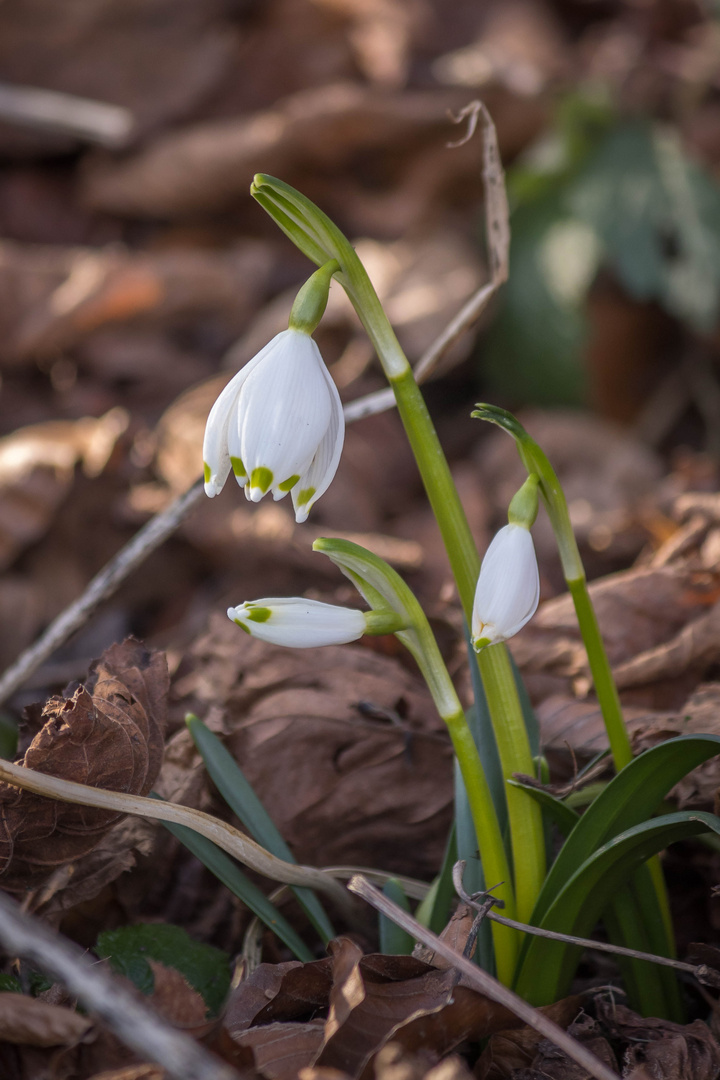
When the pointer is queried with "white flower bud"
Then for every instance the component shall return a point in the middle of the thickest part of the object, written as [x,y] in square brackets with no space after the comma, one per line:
[298,623]
[278,425]
[508,587]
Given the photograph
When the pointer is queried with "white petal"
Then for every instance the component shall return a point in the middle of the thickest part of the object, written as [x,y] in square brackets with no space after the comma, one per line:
[284,410]
[298,623]
[508,587]
[327,457]
[216,450]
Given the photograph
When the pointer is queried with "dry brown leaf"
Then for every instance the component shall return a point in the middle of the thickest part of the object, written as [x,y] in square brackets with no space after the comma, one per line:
[207,167]
[132,1072]
[374,754]
[638,610]
[661,1049]
[552,1063]
[110,735]
[37,465]
[281,1050]
[511,1050]
[25,1020]
[289,991]
[54,298]
[176,1000]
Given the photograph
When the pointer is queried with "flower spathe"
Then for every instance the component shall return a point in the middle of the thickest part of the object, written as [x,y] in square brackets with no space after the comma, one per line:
[278,425]
[298,623]
[508,587]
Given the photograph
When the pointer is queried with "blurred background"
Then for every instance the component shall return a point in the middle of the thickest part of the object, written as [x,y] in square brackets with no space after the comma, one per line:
[136,273]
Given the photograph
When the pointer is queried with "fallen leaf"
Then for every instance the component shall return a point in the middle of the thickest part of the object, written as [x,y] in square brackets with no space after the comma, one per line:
[661,1049]
[282,706]
[175,999]
[512,1050]
[37,466]
[25,1020]
[281,1050]
[110,735]
[132,1072]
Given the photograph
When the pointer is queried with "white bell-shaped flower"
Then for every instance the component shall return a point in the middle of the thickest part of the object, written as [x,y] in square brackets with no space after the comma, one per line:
[298,623]
[278,425]
[508,587]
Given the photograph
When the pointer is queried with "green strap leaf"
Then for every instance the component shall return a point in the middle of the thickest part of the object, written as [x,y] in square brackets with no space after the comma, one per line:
[238,793]
[548,966]
[630,798]
[225,870]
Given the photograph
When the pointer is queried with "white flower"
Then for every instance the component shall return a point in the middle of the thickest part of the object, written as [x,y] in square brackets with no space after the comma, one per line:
[508,587]
[298,623]
[278,425]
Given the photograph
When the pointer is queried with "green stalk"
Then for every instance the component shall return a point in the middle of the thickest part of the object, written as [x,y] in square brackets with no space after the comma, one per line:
[315,234]
[604,683]
[383,588]
[535,461]
[527,836]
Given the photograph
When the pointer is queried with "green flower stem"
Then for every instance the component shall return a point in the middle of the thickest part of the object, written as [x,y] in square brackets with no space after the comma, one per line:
[526,830]
[385,590]
[320,239]
[524,813]
[490,843]
[602,675]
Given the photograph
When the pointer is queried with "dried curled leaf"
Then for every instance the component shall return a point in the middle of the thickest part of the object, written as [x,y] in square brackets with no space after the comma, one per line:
[108,734]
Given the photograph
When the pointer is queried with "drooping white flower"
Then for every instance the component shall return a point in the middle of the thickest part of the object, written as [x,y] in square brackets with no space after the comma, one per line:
[278,425]
[508,587]
[298,623]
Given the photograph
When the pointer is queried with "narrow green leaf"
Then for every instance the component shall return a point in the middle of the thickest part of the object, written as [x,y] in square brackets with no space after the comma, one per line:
[547,967]
[238,793]
[394,941]
[631,797]
[225,870]
[559,812]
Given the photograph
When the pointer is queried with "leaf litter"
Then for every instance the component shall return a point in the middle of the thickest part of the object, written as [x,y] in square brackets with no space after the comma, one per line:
[133,285]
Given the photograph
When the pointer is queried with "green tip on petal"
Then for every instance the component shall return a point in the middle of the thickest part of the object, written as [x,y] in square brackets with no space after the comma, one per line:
[207,472]
[481,643]
[259,614]
[289,483]
[261,478]
[305,495]
[238,468]
[241,624]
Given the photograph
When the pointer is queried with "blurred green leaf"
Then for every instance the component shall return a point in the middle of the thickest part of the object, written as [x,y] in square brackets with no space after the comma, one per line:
[394,941]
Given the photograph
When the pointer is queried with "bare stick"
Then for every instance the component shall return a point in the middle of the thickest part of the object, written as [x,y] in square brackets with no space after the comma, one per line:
[49,110]
[103,585]
[225,836]
[159,528]
[483,982]
[702,972]
[134,1022]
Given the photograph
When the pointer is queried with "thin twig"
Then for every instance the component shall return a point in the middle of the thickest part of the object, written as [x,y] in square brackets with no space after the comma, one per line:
[225,836]
[483,982]
[134,1022]
[160,527]
[497,227]
[48,110]
[479,902]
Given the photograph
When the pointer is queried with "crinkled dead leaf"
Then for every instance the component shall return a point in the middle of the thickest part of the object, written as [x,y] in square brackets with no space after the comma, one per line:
[108,734]
[176,1000]
[132,1072]
[515,1049]
[639,611]
[661,1049]
[370,1003]
[338,734]
[26,1021]
[551,1063]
